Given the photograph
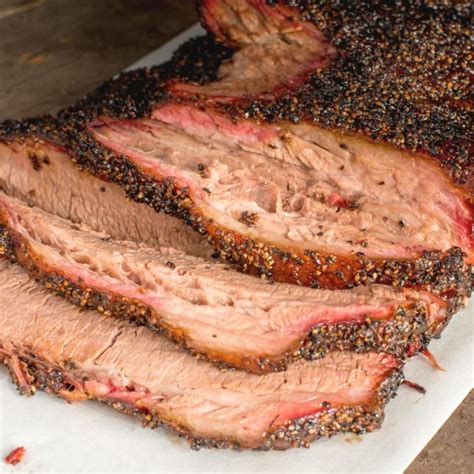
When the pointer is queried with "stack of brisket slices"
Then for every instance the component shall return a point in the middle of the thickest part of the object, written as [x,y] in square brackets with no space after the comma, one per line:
[297,226]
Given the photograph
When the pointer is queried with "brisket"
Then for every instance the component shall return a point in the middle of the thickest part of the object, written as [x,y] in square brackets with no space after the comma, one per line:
[290,209]
[77,355]
[228,317]
[309,142]
[276,215]
[303,205]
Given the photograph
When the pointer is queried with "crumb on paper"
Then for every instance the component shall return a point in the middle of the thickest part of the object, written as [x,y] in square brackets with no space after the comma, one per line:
[15,456]
[352,438]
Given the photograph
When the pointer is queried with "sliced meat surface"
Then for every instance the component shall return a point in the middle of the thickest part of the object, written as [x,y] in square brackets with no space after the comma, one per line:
[275,205]
[297,211]
[323,210]
[75,354]
[229,317]
[310,193]
[42,174]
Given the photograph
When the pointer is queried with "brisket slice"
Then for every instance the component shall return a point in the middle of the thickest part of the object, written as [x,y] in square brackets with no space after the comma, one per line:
[228,317]
[43,175]
[77,355]
[286,214]
[286,208]
[400,73]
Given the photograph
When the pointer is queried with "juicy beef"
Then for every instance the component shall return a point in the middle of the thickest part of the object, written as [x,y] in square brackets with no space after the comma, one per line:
[52,346]
[43,175]
[291,209]
[276,204]
[399,74]
[269,182]
[228,317]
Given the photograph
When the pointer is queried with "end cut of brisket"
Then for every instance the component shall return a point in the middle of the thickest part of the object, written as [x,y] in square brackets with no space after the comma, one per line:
[52,346]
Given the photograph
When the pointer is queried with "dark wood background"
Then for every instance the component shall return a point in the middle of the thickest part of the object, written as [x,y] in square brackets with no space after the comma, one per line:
[54,51]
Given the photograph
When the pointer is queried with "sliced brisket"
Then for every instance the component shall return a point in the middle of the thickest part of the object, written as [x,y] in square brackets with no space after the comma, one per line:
[277,205]
[294,204]
[290,209]
[52,346]
[227,316]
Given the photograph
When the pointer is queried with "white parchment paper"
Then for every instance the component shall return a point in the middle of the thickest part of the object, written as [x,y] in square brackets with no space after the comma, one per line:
[89,437]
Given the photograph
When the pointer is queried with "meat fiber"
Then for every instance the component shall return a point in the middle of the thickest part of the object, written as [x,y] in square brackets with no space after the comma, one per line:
[226,316]
[293,210]
[43,175]
[77,355]
[273,213]
[293,191]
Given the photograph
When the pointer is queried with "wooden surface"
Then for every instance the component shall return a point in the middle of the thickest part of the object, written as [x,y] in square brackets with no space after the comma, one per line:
[54,51]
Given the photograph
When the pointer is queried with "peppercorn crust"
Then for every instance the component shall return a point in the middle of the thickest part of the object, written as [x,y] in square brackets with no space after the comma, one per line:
[38,374]
[405,333]
[133,95]
[402,75]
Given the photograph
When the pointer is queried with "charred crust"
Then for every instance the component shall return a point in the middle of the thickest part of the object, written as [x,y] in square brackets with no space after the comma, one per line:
[401,77]
[294,433]
[7,247]
[133,93]
[407,328]
[404,334]
[443,273]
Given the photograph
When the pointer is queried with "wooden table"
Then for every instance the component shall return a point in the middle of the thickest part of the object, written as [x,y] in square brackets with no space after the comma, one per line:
[54,51]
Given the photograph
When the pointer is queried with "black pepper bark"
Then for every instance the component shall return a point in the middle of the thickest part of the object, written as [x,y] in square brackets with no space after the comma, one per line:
[402,75]
[296,433]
